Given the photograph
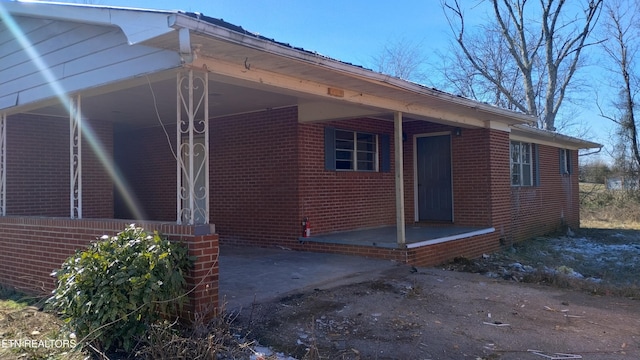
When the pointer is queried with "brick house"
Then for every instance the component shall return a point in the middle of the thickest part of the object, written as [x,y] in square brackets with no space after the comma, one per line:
[202,130]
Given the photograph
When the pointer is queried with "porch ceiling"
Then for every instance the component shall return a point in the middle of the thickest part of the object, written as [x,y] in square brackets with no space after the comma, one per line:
[146,100]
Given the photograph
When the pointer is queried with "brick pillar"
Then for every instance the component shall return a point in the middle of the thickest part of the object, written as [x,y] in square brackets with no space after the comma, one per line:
[500,183]
[202,280]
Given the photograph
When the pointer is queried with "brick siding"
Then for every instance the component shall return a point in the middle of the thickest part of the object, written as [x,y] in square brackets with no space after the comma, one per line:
[146,161]
[254,178]
[343,200]
[549,207]
[267,172]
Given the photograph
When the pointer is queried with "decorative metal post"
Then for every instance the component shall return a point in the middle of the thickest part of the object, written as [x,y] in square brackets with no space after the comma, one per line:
[192,141]
[3,164]
[75,156]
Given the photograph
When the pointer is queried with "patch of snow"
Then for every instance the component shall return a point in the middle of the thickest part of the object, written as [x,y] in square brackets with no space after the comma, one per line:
[263,353]
[594,250]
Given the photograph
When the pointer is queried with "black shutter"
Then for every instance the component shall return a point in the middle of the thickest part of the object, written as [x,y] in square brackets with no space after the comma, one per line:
[385,153]
[536,165]
[330,148]
[568,159]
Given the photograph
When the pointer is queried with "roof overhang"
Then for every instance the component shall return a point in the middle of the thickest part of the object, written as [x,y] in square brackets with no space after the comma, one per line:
[243,59]
[138,25]
[257,58]
[531,134]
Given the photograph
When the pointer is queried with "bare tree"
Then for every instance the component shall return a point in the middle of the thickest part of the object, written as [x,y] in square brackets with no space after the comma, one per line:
[541,52]
[463,78]
[403,59]
[622,29]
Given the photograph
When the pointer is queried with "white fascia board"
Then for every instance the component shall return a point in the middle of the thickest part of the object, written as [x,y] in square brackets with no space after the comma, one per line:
[138,25]
[178,21]
[544,137]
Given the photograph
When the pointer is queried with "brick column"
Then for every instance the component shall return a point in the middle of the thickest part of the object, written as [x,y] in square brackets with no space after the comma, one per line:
[202,280]
[500,192]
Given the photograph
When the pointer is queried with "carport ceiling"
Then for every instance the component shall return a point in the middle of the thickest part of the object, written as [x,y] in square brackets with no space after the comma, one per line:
[140,102]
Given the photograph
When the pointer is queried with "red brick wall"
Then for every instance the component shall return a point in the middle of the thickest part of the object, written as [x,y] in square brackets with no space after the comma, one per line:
[470,171]
[31,248]
[38,168]
[97,185]
[500,178]
[254,177]
[546,208]
[343,200]
[149,168]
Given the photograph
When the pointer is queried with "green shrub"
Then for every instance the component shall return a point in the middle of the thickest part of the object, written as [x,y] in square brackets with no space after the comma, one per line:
[110,293]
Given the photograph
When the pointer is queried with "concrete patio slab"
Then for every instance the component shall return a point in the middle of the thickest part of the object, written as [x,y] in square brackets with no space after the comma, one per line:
[249,275]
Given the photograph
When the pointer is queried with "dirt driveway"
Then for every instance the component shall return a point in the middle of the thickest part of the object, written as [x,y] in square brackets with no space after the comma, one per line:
[429,313]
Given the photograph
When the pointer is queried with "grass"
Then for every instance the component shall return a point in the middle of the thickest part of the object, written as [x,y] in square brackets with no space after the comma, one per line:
[21,318]
[600,258]
[608,209]
[27,333]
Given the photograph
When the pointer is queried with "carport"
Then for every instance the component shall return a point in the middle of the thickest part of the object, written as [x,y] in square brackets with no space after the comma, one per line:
[251,275]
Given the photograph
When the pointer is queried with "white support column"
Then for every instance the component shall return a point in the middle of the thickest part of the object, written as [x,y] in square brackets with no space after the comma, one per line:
[192,139]
[400,232]
[75,157]
[3,164]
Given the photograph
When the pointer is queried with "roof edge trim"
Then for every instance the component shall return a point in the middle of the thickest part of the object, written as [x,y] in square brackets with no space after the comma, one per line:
[179,20]
[556,139]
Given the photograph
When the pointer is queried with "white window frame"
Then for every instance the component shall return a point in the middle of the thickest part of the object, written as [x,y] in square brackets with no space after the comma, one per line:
[354,151]
[522,163]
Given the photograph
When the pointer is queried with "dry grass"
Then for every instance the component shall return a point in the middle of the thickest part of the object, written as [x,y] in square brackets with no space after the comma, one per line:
[209,337]
[608,209]
[21,319]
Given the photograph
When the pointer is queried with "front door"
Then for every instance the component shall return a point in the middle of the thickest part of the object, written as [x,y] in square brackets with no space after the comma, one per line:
[435,200]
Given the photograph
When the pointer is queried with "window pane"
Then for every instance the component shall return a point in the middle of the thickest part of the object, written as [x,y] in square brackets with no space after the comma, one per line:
[344,144]
[366,142]
[365,166]
[515,152]
[365,156]
[366,146]
[526,175]
[344,140]
[526,153]
[344,155]
[343,165]
[515,174]
[344,135]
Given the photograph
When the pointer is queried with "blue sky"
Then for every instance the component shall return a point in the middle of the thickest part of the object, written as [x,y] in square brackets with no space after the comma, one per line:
[352,31]
[356,31]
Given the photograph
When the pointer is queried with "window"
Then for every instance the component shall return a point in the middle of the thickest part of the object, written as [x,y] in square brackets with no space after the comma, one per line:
[356,151]
[346,150]
[565,161]
[521,164]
